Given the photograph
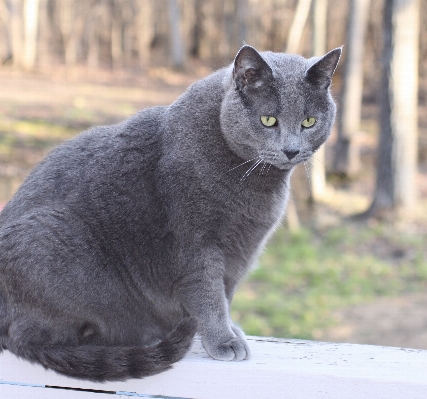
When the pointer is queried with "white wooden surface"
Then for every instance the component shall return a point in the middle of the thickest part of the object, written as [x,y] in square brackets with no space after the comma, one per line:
[278,369]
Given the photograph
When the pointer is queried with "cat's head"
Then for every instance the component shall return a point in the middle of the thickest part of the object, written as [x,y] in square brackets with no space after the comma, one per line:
[278,107]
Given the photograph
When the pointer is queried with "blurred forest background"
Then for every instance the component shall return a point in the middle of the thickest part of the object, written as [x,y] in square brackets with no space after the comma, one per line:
[350,263]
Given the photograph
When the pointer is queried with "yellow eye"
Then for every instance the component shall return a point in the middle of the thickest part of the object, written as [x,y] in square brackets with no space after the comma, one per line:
[308,122]
[268,121]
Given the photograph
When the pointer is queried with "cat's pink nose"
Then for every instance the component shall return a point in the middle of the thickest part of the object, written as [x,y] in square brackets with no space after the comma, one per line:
[291,154]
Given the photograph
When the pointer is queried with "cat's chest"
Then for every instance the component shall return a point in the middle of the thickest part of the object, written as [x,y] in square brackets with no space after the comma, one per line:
[251,213]
[247,222]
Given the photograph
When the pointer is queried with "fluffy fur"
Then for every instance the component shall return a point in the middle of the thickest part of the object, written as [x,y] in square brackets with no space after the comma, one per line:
[128,238]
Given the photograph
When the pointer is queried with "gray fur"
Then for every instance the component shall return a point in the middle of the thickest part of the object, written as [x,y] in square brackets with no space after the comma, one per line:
[128,238]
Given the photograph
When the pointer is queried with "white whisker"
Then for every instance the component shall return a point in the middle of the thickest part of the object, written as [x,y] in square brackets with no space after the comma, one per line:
[262,168]
[251,169]
[244,163]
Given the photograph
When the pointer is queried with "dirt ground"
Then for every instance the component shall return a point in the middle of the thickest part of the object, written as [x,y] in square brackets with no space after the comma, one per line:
[398,321]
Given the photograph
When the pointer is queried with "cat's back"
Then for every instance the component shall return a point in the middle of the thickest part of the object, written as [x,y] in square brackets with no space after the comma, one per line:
[98,162]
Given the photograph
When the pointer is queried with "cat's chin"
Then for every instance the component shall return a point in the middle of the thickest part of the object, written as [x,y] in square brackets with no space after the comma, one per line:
[280,166]
[289,165]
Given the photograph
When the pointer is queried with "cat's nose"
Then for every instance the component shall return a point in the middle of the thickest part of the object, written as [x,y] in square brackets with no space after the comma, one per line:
[291,154]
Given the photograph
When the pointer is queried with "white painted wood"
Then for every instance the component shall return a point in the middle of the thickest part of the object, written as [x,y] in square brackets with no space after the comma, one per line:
[18,392]
[278,369]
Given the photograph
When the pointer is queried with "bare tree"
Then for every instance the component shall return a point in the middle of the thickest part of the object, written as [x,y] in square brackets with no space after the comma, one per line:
[397,150]
[16,30]
[317,166]
[242,11]
[346,156]
[31,22]
[297,27]
[175,35]
[93,35]
[72,18]
[145,29]
[197,29]
[5,31]
[117,22]
[122,12]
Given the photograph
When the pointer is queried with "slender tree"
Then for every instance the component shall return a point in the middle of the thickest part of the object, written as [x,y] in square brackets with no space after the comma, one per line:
[175,35]
[197,29]
[242,7]
[72,19]
[31,24]
[145,29]
[346,156]
[117,22]
[5,31]
[297,26]
[317,165]
[397,150]
[95,25]
[16,29]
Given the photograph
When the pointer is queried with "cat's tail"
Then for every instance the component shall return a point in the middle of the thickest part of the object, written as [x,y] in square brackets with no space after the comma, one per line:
[103,363]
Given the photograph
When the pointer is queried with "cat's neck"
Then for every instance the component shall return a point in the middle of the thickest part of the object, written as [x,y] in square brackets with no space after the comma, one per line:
[202,98]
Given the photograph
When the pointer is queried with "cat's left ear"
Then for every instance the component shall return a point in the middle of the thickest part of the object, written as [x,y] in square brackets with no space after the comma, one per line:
[320,73]
[250,68]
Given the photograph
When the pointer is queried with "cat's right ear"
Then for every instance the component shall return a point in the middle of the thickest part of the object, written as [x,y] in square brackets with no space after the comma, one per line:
[250,68]
[320,73]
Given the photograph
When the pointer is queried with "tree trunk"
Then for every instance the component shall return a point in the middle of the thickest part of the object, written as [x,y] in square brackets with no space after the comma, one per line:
[317,165]
[242,11]
[297,27]
[175,35]
[197,30]
[145,21]
[93,42]
[346,156]
[31,23]
[16,27]
[128,12]
[71,20]
[45,32]
[397,150]
[5,17]
[117,53]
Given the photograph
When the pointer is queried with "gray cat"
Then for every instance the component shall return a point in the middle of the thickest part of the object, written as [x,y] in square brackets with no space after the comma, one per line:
[128,239]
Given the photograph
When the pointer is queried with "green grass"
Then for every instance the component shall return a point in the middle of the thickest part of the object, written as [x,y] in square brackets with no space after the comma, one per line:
[31,135]
[303,277]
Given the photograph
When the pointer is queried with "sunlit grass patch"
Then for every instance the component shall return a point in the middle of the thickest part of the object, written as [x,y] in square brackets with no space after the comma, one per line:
[303,277]
[34,134]
[25,142]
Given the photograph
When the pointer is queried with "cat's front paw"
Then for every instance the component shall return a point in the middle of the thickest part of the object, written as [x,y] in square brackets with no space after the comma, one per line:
[235,349]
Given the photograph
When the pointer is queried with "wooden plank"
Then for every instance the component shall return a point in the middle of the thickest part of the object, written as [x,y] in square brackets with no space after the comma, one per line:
[278,369]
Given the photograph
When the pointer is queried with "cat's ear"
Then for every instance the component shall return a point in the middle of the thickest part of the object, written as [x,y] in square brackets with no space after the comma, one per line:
[320,73]
[250,68]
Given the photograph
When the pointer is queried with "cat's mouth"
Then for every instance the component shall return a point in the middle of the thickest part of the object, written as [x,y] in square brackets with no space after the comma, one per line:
[266,159]
[285,161]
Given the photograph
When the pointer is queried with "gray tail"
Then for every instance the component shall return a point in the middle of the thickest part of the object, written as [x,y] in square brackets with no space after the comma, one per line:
[103,363]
